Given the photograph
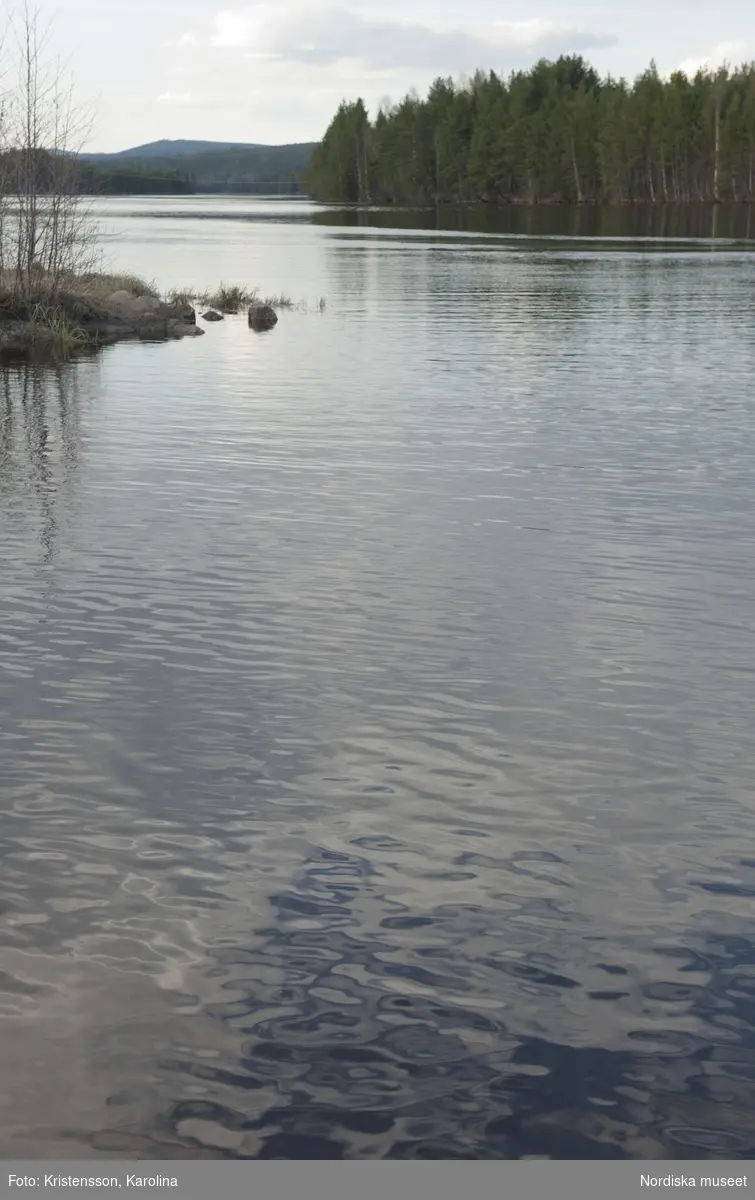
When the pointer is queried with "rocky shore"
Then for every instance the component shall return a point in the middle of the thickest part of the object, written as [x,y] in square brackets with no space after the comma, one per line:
[116,317]
[87,314]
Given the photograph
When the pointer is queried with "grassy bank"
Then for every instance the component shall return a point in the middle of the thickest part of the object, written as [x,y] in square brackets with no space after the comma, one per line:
[74,295]
[60,312]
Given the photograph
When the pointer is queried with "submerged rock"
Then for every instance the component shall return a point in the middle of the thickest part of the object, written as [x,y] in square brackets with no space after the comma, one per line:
[262,316]
[211,315]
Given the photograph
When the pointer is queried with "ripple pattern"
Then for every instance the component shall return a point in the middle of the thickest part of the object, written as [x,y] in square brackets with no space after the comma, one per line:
[376,701]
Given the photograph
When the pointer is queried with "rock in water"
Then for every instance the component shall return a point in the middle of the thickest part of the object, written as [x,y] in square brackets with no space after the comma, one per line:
[211,315]
[262,316]
[179,329]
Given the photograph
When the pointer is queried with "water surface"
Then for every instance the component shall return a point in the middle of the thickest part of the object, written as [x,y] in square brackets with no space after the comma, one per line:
[376,703]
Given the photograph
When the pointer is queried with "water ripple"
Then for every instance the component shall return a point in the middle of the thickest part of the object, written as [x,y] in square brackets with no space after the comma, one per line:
[376,713]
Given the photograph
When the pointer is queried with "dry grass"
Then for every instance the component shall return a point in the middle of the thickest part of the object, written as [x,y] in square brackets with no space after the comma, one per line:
[105,284]
[75,296]
[283,302]
[184,296]
[229,299]
[53,327]
[56,310]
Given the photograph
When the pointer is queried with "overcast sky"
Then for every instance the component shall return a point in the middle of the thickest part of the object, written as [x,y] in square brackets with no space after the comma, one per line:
[275,71]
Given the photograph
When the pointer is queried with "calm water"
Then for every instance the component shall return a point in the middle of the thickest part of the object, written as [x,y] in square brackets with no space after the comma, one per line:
[376,704]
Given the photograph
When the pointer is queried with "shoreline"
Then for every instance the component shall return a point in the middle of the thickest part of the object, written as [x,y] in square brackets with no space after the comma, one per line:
[493,206]
[53,320]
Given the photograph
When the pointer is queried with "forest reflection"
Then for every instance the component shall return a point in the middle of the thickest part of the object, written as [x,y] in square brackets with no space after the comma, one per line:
[680,222]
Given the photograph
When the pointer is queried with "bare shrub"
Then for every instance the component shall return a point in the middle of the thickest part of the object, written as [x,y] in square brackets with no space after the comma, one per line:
[47,231]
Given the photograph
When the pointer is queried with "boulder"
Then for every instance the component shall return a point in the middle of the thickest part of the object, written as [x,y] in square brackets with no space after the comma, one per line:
[136,310]
[262,316]
[124,301]
[179,329]
[155,329]
[211,315]
[121,297]
[184,312]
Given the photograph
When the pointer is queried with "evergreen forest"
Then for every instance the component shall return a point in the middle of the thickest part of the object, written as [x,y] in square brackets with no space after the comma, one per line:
[555,133]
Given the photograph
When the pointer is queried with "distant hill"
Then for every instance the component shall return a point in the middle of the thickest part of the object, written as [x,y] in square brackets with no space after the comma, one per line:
[251,171]
[165,148]
[227,167]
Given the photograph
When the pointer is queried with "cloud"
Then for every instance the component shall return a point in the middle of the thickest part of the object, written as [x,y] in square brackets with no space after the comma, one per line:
[183,42]
[242,28]
[528,33]
[203,100]
[175,98]
[328,36]
[733,53]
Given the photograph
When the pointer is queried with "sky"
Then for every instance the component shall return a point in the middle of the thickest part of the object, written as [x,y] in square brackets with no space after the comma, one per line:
[276,71]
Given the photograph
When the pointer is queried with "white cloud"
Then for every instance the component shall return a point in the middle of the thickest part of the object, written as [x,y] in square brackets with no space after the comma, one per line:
[324,36]
[733,53]
[528,33]
[691,66]
[241,28]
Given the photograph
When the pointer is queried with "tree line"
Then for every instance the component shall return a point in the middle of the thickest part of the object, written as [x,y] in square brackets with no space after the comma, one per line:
[154,176]
[249,170]
[44,171]
[555,133]
[253,170]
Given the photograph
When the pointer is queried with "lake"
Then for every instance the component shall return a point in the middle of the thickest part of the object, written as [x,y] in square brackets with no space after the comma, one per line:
[377,698]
